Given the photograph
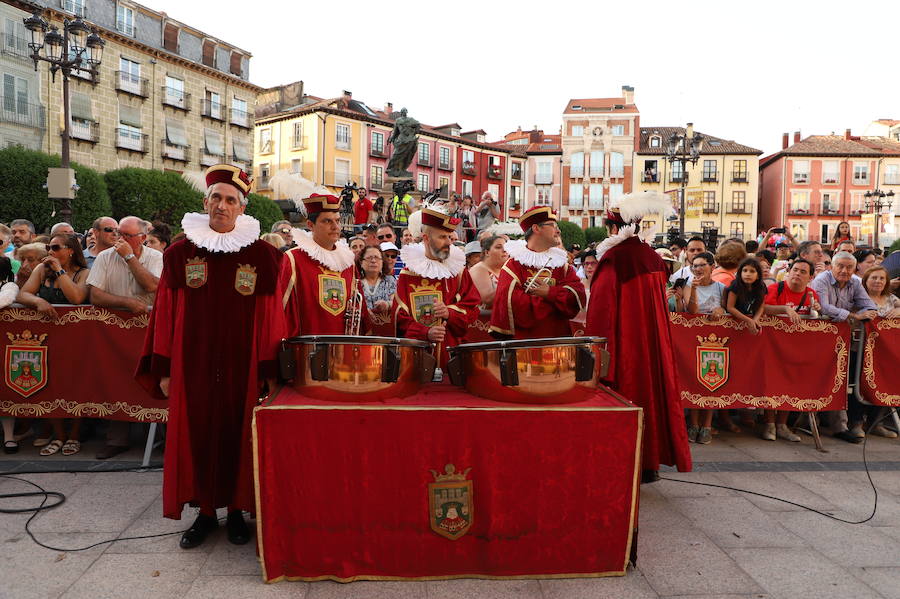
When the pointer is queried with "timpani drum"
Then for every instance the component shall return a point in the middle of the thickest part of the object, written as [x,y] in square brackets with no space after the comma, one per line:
[356,368]
[542,371]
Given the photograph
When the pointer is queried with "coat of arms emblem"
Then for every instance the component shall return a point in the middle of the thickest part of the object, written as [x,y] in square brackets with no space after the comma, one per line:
[245,279]
[450,503]
[332,292]
[423,298]
[712,361]
[195,272]
[26,363]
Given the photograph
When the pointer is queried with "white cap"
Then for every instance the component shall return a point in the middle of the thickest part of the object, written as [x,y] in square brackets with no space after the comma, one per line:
[387,245]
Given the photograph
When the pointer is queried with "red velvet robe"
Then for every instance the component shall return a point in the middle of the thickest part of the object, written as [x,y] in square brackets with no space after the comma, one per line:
[315,301]
[215,330]
[413,299]
[518,315]
[628,306]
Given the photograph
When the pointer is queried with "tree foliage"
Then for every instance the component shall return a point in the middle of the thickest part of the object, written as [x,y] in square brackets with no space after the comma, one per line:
[593,234]
[264,210]
[24,194]
[151,195]
[571,233]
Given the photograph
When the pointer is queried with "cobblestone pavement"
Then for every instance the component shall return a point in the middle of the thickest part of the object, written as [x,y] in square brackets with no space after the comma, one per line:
[695,541]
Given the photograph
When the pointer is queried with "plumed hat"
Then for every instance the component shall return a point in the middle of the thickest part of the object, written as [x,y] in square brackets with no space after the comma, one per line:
[436,218]
[320,202]
[632,207]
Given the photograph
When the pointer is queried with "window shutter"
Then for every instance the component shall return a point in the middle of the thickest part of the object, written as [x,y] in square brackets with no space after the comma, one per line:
[236,63]
[209,54]
[241,149]
[170,38]
[175,134]
[129,115]
[81,107]
[215,144]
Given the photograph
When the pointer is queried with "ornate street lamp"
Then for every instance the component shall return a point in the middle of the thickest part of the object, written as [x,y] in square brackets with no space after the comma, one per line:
[875,202]
[684,148]
[77,47]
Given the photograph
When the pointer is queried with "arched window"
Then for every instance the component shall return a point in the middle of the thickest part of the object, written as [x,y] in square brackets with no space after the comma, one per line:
[655,141]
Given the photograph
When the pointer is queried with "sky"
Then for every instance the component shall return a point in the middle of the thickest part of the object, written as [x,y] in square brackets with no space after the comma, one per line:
[743,71]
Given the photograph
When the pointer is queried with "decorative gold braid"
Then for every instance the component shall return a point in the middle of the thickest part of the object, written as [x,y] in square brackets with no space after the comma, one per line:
[769,402]
[888,323]
[480,325]
[869,359]
[887,399]
[83,313]
[840,348]
[781,324]
[84,410]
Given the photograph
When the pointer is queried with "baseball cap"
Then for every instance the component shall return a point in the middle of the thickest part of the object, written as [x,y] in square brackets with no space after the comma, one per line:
[387,245]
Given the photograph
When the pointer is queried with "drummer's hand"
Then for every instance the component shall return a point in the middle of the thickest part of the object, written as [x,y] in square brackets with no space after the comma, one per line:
[441,310]
[542,290]
[436,333]
[164,385]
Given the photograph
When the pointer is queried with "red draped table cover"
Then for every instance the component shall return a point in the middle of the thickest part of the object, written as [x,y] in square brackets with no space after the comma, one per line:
[348,491]
[879,381]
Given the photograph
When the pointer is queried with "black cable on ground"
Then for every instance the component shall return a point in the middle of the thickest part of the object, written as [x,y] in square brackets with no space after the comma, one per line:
[806,507]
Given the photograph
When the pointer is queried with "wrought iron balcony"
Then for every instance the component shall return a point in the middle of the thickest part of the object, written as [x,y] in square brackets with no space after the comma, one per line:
[799,212]
[24,114]
[176,98]
[468,168]
[377,151]
[446,165]
[240,118]
[126,139]
[738,209]
[739,177]
[494,172]
[711,208]
[649,178]
[710,177]
[423,160]
[132,84]
[212,110]
[88,131]
[173,152]
[207,159]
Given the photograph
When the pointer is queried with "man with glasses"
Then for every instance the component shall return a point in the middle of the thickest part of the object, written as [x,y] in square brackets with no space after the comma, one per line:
[124,277]
[284,228]
[106,233]
[538,291]
[319,275]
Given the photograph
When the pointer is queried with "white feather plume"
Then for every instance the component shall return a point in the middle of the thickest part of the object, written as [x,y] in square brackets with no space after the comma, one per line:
[634,206]
[414,222]
[196,179]
[292,186]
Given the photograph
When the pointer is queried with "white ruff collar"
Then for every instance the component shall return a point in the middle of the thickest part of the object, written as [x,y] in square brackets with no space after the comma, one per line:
[518,250]
[338,259]
[197,230]
[626,232]
[417,262]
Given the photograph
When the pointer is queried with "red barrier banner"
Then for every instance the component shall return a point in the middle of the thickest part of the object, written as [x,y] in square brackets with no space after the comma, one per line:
[879,381]
[79,366]
[796,367]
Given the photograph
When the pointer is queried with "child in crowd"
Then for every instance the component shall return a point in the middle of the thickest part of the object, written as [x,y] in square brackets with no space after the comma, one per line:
[745,297]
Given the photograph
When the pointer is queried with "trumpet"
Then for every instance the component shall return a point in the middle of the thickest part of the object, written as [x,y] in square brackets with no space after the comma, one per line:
[544,272]
[353,313]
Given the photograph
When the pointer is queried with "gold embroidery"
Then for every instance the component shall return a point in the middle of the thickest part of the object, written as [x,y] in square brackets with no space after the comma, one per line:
[77,315]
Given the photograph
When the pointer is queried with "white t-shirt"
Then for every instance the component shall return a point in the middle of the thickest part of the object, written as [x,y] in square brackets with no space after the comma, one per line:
[111,273]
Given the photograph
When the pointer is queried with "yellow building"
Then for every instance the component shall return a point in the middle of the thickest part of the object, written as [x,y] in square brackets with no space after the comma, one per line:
[721,189]
[318,139]
[167,96]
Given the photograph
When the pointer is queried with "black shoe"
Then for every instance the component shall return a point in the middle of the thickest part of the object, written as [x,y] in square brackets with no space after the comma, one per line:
[649,476]
[111,451]
[848,437]
[238,533]
[198,531]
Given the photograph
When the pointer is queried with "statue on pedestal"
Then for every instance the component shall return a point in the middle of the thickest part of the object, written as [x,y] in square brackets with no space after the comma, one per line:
[405,138]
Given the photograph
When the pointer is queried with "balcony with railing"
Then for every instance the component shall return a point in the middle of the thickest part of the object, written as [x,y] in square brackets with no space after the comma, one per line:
[468,168]
[516,172]
[801,178]
[799,211]
[892,179]
[710,177]
[494,171]
[133,141]
[88,131]
[11,45]
[299,142]
[739,177]
[711,208]
[240,118]
[445,165]
[86,75]
[830,209]
[831,178]
[176,98]
[738,209]
[207,159]
[173,152]
[344,143]
[858,211]
[263,182]
[423,160]
[616,173]
[649,177]
[543,178]
[678,178]
[377,151]
[212,110]
[132,84]
[24,114]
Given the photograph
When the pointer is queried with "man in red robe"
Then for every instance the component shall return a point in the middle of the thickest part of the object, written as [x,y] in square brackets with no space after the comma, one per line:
[212,341]
[557,295]
[319,275]
[628,307]
[436,299]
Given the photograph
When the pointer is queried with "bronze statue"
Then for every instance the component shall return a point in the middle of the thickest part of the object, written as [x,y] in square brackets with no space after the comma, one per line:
[405,138]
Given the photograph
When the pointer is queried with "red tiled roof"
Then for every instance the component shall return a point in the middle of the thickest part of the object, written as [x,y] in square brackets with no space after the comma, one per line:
[888,122]
[829,145]
[599,105]
[882,144]
[711,144]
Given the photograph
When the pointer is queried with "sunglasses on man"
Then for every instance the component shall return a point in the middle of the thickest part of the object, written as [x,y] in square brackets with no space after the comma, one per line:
[388,236]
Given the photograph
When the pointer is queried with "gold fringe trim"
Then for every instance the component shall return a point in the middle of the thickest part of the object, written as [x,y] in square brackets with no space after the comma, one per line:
[84,313]
[84,410]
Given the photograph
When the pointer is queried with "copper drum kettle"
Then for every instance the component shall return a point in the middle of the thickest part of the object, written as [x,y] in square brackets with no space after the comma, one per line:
[356,368]
[543,371]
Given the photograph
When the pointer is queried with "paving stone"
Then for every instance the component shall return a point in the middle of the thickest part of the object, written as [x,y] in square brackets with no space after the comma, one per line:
[365,590]
[656,510]
[98,508]
[151,522]
[753,596]
[735,522]
[150,477]
[488,589]
[228,559]
[133,576]
[632,586]
[884,580]
[847,544]
[776,484]
[684,561]
[671,488]
[217,587]
[31,571]
[789,573]
[852,493]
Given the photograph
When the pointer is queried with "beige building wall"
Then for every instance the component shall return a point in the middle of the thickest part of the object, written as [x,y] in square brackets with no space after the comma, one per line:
[287,151]
[110,105]
[723,208]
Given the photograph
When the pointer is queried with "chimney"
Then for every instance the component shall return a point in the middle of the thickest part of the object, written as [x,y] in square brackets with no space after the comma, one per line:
[348,94]
[628,94]
[796,137]
[847,134]
[785,140]
[388,108]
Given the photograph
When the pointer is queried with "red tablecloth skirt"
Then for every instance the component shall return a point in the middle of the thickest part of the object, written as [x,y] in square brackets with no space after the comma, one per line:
[347,491]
